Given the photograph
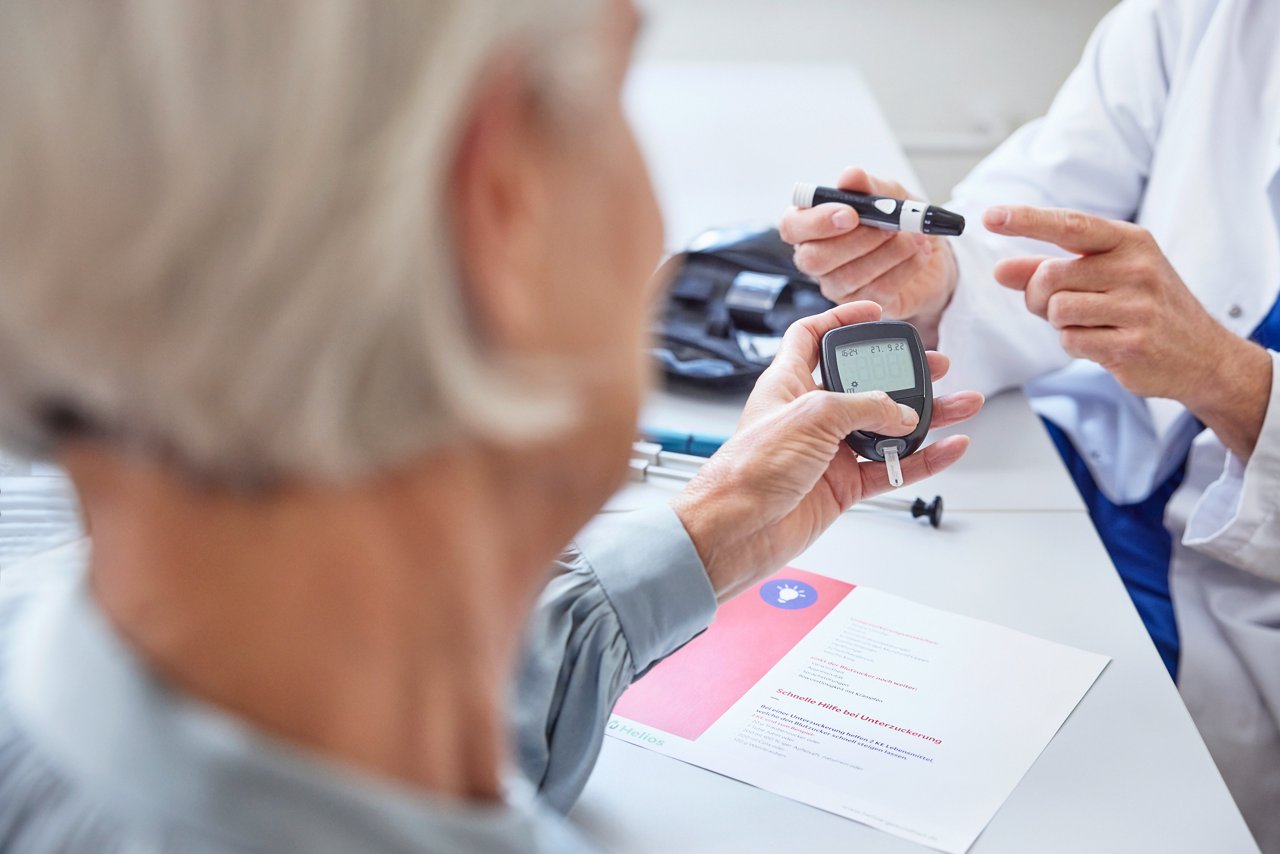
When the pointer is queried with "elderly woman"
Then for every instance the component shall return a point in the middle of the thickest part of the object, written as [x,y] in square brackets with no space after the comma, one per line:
[334,313]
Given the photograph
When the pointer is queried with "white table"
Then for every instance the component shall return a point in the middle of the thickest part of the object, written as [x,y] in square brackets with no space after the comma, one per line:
[1013,467]
[1128,771]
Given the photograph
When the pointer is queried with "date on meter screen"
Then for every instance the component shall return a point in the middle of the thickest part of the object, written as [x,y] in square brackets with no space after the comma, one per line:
[882,365]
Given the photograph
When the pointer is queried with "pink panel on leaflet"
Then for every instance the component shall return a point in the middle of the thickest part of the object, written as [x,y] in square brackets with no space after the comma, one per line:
[749,636]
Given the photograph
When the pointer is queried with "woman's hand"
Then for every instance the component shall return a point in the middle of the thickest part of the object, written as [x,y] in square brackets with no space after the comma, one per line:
[787,474]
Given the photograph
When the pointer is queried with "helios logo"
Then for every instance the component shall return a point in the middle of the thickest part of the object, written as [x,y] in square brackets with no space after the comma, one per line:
[617,727]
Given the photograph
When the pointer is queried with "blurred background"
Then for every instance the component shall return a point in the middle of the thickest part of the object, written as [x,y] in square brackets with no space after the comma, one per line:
[954,77]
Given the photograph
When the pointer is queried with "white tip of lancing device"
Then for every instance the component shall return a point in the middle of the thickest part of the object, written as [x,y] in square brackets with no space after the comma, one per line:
[802,195]
[894,466]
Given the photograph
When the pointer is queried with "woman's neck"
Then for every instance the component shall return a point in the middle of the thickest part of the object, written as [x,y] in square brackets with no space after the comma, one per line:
[377,625]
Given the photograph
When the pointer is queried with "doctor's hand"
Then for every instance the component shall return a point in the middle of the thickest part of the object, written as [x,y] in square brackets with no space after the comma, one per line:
[1121,304]
[911,275]
[787,474]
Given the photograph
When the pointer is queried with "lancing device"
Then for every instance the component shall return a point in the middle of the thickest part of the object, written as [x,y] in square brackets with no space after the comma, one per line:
[884,212]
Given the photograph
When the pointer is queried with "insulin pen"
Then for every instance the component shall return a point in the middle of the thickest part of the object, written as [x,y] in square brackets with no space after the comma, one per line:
[884,212]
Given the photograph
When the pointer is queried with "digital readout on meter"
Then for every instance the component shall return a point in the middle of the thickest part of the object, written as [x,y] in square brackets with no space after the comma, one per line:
[882,365]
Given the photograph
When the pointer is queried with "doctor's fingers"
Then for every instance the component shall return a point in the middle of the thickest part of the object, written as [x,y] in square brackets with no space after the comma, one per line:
[1074,231]
[1014,273]
[1076,308]
[1057,275]
[821,222]
[926,462]
[817,258]
[859,180]
[1102,344]
[857,273]
[901,289]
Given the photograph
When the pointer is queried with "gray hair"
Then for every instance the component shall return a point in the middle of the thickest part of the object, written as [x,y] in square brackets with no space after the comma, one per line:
[223,234]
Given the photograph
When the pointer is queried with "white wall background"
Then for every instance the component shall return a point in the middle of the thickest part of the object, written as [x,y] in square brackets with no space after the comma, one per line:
[954,76]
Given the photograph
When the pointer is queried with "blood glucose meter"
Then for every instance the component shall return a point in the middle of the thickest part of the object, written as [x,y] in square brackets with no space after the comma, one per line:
[888,356]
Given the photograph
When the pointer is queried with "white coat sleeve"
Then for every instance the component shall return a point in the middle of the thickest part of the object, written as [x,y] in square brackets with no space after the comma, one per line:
[1237,519]
[1091,152]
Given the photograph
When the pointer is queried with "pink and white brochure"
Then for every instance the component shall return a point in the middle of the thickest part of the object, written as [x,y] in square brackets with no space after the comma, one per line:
[913,720]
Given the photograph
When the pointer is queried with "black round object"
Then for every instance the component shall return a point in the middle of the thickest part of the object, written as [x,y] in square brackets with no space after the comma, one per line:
[931,509]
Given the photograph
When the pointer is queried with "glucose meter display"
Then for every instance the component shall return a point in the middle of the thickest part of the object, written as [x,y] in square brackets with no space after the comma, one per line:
[883,365]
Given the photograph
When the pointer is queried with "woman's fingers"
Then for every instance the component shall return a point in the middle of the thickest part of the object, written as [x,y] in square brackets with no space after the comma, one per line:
[924,463]
[954,408]
[939,364]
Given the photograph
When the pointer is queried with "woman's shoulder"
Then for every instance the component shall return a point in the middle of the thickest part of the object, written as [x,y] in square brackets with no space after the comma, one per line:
[93,760]
[42,810]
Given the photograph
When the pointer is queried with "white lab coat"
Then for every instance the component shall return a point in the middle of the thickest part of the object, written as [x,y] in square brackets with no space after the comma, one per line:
[1171,120]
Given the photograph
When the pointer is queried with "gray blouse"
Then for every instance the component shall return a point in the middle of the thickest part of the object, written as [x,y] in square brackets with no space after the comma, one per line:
[98,755]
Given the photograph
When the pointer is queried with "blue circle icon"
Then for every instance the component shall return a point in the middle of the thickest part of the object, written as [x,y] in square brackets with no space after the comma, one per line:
[788,594]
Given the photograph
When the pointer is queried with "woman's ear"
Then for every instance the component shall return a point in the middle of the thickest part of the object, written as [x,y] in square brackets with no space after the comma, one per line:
[501,194]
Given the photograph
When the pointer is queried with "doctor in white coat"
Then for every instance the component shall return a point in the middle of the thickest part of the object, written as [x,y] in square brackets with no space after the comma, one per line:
[1136,231]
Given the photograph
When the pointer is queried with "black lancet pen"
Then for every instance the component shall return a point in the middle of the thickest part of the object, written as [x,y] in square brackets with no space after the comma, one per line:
[884,212]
